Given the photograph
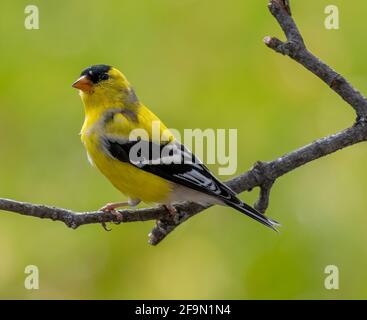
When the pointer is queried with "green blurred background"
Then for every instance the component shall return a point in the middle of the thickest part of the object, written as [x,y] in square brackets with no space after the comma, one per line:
[197,64]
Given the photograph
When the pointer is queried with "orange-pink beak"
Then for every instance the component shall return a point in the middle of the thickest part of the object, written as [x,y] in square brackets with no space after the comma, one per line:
[83,83]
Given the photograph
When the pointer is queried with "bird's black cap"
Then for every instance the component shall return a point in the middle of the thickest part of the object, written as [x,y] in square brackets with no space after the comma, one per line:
[96,73]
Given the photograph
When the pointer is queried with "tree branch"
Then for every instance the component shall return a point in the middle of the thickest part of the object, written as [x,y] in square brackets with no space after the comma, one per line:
[263,174]
[295,48]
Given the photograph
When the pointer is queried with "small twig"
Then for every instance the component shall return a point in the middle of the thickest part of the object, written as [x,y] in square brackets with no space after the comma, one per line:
[263,202]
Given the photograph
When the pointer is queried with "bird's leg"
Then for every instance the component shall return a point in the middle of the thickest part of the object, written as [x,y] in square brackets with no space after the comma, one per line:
[111,207]
[171,209]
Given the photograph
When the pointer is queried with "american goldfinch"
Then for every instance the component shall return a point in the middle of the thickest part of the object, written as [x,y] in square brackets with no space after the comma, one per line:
[112,113]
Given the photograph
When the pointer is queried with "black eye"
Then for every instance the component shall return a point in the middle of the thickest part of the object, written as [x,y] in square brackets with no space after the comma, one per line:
[105,76]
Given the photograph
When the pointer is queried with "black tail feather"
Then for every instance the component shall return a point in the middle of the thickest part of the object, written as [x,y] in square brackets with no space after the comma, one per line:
[253,213]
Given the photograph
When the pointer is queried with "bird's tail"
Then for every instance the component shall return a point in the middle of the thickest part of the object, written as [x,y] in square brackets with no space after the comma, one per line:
[253,213]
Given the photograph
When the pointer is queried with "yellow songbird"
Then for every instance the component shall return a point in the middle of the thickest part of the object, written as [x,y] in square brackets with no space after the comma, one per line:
[118,134]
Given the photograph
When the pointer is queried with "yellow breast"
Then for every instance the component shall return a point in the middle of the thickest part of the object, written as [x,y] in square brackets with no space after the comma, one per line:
[130,180]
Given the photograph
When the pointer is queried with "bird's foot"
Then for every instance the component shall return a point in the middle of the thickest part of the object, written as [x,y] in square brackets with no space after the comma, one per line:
[171,210]
[111,208]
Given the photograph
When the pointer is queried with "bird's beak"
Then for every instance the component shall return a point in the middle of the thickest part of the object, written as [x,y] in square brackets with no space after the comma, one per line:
[83,83]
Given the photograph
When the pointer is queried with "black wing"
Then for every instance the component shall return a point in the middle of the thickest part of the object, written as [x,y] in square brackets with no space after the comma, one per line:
[173,162]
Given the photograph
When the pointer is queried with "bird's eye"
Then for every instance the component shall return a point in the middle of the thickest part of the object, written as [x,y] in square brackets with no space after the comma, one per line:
[104,76]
